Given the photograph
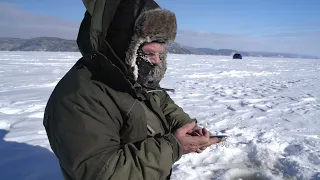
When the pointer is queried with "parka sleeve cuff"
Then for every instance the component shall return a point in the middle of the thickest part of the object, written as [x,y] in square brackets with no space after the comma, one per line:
[176,146]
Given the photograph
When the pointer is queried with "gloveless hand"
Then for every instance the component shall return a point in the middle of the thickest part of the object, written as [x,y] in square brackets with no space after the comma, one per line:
[192,143]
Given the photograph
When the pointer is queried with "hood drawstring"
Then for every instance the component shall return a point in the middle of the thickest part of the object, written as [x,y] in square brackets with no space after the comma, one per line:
[151,88]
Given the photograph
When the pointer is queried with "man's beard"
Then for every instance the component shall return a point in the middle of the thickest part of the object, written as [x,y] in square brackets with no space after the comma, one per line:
[149,74]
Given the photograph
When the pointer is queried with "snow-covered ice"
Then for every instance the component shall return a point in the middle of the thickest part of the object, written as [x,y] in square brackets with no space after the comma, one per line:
[269,108]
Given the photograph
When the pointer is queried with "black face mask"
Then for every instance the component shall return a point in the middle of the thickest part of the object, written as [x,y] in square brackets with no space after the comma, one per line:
[144,68]
[148,73]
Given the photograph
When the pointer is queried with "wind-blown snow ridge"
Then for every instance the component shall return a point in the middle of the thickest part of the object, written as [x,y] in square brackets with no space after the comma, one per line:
[269,107]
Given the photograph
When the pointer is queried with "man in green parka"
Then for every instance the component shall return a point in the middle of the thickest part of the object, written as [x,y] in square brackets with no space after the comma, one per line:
[108,117]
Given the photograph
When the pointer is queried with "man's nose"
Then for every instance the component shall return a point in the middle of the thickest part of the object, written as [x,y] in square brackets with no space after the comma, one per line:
[156,59]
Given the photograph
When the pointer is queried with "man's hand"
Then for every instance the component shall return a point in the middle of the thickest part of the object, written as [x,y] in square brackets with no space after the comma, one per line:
[198,131]
[194,143]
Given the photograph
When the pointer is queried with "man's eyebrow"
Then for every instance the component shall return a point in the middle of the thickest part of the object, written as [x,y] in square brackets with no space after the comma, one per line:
[154,50]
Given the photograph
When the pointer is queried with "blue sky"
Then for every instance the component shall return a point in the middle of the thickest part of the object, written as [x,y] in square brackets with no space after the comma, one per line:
[253,25]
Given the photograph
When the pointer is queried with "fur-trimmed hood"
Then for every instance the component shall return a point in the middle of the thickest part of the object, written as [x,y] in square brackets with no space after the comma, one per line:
[117,28]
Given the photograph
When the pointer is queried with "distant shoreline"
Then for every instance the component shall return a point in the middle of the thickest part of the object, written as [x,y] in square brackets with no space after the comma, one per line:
[53,44]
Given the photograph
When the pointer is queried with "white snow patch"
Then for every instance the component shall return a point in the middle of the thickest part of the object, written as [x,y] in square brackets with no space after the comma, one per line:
[269,108]
[6,110]
[36,115]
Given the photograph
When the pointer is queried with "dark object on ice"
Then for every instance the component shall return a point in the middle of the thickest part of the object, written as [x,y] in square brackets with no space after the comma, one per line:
[219,136]
[237,56]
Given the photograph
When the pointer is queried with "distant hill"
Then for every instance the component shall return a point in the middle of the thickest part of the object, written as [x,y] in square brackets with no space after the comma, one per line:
[177,48]
[62,45]
[217,52]
[38,44]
